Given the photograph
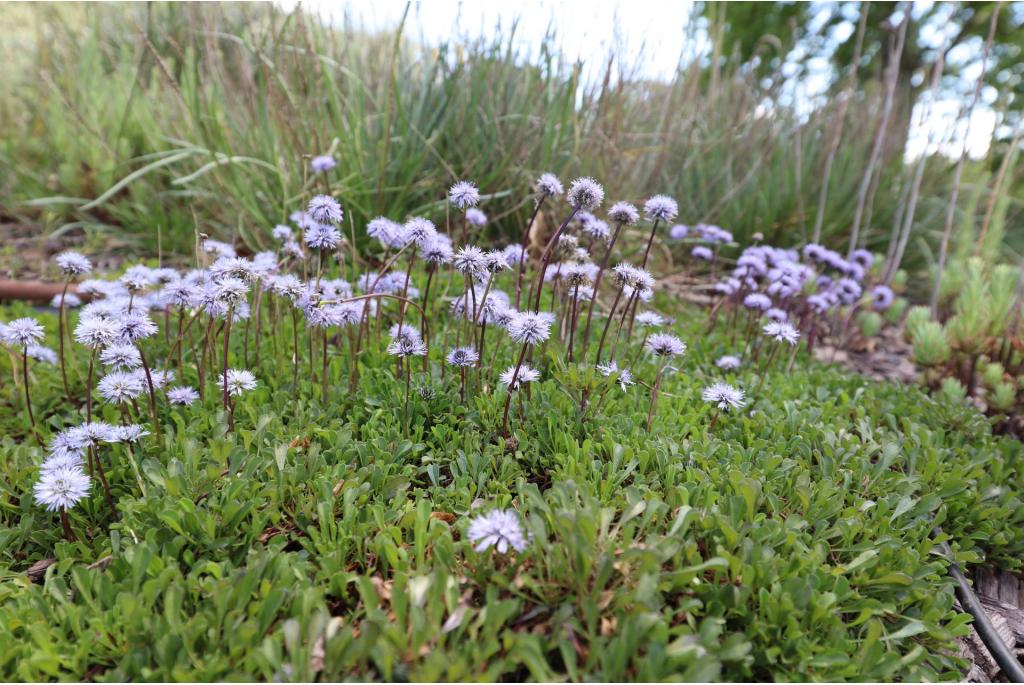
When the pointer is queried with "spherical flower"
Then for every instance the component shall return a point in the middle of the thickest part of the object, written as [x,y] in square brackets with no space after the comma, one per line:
[679,232]
[407,347]
[650,319]
[322,237]
[665,345]
[470,261]
[548,184]
[235,267]
[231,290]
[134,326]
[71,300]
[529,328]
[137,278]
[527,374]
[23,332]
[515,254]
[238,381]
[702,252]
[94,332]
[161,377]
[463,356]
[723,396]
[120,386]
[728,362]
[776,314]
[882,297]
[324,209]
[385,230]
[73,263]
[131,433]
[586,193]
[65,459]
[475,217]
[463,194]
[499,529]
[420,231]
[322,163]
[624,213]
[848,290]
[757,301]
[625,378]
[437,251]
[61,488]
[863,258]
[782,332]
[41,353]
[598,230]
[182,395]
[661,208]
[281,233]
[495,261]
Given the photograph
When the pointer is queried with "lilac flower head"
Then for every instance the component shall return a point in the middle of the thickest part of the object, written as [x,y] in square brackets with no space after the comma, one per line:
[665,345]
[728,362]
[529,328]
[463,356]
[61,488]
[475,217]
[420,231]
[470,261]
[598,230]
[407,346]
[137,278]
[182,395]
[130,433]
[94,332]
[702,252]
[776,314]
[679,232]
[385,230]
[650,319]
[325,209]
[281,233]
[73,264]
[515,254]
[322,163]
[586,193]
[782,332]
[437,251]
[757,301]
[499,529]
[513,381]
[661,208]
[625,378]
[882,297]
[849,290]
[41,353]
[548,184]
[231,290]
[120,386]
[238,381]
[724,396]
[135,325]
[71,300]
[23,332]
[863,257]
[322,237]
[624,213]
[463,194]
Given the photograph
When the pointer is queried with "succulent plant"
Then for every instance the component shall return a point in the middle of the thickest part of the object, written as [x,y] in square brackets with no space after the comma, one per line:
[931,347]
[870,323]
[952,390]
[992,374]
[915,317]
[895,312]
[1003,397]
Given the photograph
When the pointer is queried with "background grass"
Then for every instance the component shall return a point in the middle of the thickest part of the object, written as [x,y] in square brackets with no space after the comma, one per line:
[211,111]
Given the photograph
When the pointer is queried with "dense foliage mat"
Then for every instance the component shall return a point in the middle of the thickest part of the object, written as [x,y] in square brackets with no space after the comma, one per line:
[318,541]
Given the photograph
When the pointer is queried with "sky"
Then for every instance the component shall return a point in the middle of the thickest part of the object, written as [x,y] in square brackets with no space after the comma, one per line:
[655,32]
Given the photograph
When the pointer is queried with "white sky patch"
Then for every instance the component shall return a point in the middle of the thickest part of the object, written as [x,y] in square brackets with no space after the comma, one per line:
[656,37]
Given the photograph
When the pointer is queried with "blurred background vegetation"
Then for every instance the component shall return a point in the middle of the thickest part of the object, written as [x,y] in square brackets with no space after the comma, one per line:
[136,125]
